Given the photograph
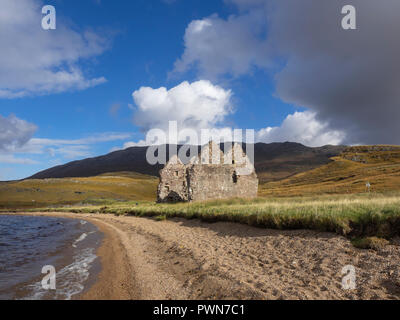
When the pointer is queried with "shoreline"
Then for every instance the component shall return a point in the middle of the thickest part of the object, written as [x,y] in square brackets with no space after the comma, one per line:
[114,280]
[180,259]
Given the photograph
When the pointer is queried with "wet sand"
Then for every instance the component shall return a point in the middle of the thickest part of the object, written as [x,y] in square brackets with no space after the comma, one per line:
[188,259]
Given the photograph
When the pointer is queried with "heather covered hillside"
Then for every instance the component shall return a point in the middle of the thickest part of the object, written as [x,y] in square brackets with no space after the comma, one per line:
[349,172]
[273,161]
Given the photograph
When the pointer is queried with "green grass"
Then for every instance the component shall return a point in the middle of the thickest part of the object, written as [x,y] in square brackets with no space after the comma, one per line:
[328,198]
[161,218]
[354,216]
[124,186]
[374,243]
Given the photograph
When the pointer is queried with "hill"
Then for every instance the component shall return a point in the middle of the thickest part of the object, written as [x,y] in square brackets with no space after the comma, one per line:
[273,162]
[347,173]
[119,186]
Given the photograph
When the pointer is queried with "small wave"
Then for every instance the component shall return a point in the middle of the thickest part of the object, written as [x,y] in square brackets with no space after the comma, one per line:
[81,238]
[83,222]
[70,279]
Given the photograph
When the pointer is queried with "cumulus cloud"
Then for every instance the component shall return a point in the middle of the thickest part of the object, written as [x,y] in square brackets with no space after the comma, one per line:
[202,105]
[14,133]
[347,78]
[215,46]
[302,127]
[35,61]
[197,105]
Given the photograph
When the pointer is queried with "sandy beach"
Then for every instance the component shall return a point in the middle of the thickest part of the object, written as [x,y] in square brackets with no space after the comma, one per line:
[188,259]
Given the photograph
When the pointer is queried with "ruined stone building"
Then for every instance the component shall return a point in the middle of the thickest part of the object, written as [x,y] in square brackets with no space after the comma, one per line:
[211,175]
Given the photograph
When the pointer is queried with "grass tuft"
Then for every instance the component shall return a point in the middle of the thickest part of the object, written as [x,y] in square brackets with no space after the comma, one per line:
[374,243]
[161,218]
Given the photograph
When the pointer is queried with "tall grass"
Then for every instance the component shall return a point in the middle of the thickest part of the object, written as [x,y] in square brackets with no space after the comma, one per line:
[353,216]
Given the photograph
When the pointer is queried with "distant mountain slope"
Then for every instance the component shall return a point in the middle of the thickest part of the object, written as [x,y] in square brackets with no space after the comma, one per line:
[348,173]
[277,161]
[131,159]
[273,161]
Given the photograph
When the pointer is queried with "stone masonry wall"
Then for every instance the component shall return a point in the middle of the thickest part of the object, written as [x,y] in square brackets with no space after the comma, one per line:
[219,182]
[173,184]
[197,181]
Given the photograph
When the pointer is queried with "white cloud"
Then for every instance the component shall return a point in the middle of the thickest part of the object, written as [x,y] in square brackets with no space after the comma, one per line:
[216,46]
[130,144]
[11,159]
[14,133]
[35,61]
[197,105]
[73,152]
[96,138]
[69,148]
[302,127]
[16,138]
[202,105]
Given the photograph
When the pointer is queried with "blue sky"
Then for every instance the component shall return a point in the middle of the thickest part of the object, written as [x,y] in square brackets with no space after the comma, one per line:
[80,101]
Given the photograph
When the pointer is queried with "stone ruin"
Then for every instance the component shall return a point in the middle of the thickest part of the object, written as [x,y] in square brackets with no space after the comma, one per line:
[210,175]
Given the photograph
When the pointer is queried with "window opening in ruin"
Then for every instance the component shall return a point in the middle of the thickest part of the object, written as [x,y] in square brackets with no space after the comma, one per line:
[235,177]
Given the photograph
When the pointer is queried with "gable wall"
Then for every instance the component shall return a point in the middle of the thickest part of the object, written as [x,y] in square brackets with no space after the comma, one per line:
[173,184]
[216,182]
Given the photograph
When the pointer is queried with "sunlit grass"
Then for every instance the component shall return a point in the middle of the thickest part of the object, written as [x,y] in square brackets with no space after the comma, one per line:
[350,215]
[122,186]
[332,197]
[346,174]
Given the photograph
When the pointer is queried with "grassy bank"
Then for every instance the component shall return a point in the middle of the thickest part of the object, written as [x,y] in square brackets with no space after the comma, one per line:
[362,215]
